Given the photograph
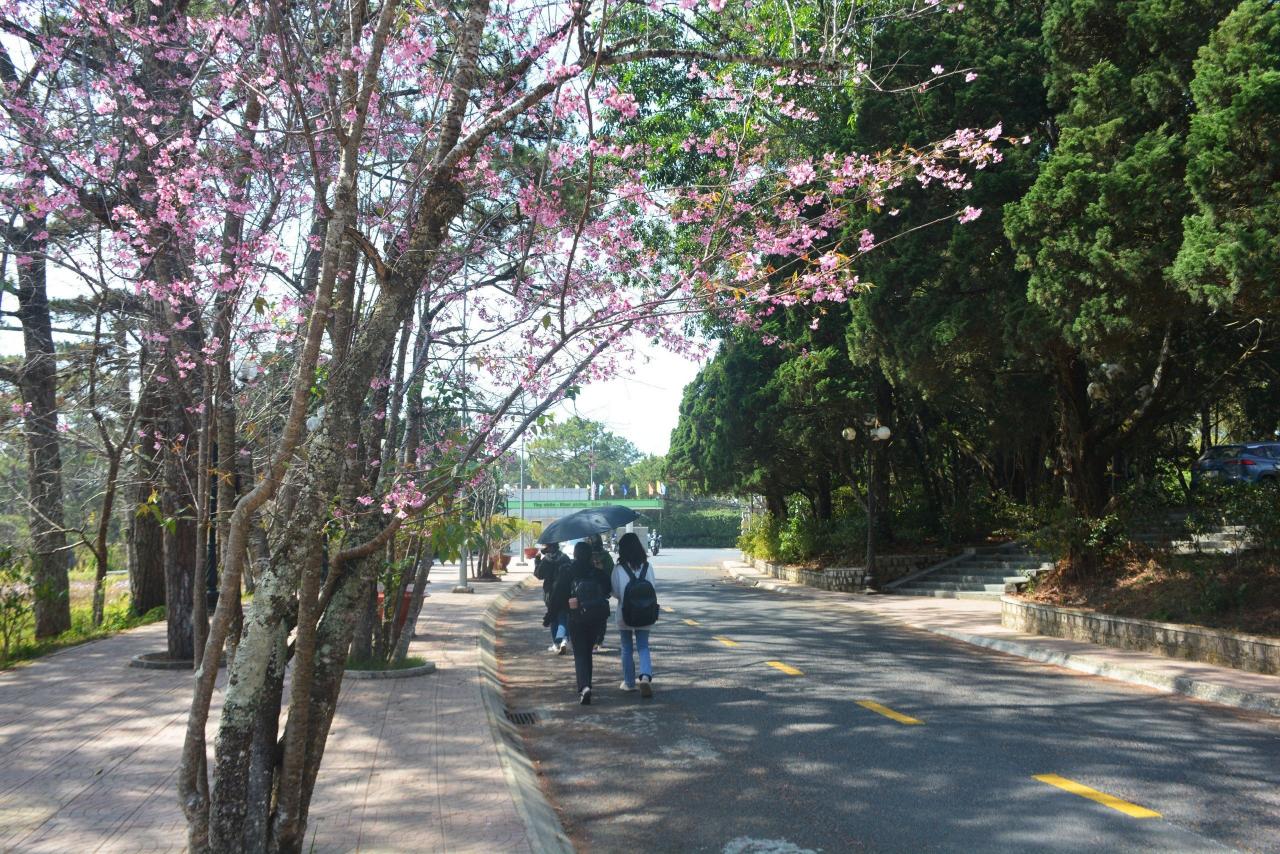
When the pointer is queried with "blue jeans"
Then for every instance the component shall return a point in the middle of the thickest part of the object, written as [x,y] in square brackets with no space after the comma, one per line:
[559,627]
[641,641]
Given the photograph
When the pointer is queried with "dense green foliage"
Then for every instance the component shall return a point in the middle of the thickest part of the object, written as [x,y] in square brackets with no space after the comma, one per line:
[1230,255]
[1109,314]
[687,528]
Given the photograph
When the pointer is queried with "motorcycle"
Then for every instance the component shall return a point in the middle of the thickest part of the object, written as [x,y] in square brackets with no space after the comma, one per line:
[655,542]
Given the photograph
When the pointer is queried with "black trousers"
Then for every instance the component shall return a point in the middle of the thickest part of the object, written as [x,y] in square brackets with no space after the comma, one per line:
[583,636]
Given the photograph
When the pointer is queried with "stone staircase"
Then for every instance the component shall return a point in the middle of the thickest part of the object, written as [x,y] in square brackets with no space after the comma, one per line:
[979,573]
[1171,534]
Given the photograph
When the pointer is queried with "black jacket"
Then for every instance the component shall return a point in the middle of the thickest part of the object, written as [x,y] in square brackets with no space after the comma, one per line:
[547,567]
[564,584]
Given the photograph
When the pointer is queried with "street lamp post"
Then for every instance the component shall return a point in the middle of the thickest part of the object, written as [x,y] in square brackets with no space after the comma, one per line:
[591,465]
[877,433]
[524,561]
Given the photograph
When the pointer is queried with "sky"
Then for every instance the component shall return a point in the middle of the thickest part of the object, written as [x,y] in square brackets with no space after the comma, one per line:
[643,406]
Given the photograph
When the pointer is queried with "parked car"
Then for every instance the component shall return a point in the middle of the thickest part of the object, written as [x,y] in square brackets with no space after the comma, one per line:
[1251,462]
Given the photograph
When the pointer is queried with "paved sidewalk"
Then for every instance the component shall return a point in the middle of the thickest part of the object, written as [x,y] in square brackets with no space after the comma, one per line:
[978,622]
[89,747]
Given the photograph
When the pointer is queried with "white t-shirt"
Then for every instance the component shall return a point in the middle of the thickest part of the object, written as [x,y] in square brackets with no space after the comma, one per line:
[620,582]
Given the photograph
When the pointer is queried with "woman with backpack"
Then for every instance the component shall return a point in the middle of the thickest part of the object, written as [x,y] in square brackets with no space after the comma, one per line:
[582,592]
[637,597]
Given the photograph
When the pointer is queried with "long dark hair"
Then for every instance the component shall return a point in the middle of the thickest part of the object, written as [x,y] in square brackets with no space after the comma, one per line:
[630,551]
[582,553]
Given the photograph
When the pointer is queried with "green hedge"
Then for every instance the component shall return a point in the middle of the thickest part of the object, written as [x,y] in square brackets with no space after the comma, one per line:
[700,529]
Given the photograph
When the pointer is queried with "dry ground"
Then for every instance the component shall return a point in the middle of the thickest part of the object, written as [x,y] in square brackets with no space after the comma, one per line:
[1236,592]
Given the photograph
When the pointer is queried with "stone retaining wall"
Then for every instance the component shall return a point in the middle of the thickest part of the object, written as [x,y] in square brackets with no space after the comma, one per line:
[846,579]
[1193,643]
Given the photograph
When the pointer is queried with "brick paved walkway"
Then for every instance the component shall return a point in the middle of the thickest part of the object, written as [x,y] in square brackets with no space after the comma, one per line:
[89,747]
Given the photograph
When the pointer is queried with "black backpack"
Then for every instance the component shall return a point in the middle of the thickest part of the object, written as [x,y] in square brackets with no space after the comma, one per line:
[592,604]
[639,599]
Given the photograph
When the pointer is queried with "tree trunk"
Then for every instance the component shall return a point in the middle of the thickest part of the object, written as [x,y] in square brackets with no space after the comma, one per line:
[146,535]
[146,557]
[1084,461]
[179,539]
[415,608]
[1206,427]
[38,384]
[822,496]
[366,624]
[100,541]
[776,504]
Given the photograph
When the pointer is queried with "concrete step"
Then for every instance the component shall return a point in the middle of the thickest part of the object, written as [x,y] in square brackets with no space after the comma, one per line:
[983,578]
[1208,544]
[929,584]
[950,594]
[1146,536]
[1003,564]
[1004,554]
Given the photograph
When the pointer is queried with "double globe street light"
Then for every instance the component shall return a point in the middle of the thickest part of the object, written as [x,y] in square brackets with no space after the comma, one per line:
[878,433]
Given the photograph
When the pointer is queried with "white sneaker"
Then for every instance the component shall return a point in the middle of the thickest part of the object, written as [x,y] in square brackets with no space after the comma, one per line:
[562,648]
[625,687]
[646,686]
[585,697]
[555,647]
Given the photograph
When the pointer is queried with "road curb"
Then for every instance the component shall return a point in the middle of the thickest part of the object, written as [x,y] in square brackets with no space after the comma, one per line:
[1181,685]
[542,825]
[1221,694]
[774,586]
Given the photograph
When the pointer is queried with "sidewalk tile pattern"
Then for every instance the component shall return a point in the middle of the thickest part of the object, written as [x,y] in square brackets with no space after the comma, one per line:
[89,749]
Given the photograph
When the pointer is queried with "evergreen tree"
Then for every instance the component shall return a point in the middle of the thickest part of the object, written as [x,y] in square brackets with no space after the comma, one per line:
[1230,256]
[1100,228]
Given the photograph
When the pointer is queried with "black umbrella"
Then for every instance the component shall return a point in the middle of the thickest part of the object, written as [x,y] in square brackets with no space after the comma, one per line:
[584,523]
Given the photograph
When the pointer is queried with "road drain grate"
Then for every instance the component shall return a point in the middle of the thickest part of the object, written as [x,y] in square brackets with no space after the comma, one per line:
[522,718]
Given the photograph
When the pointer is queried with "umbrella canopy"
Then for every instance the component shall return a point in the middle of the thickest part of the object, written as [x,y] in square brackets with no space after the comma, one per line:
[584,523]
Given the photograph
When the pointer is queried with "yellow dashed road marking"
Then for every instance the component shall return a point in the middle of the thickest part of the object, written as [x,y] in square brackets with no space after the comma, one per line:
[889,713]
[725,640]
[1131,810]
[785,668]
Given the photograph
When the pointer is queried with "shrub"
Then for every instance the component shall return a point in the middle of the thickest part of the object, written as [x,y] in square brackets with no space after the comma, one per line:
[1257,508]
[801,537]
[15,600]
[759,537]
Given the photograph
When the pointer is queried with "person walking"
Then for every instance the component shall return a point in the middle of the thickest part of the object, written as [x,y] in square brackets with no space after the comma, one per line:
[604,565]
[582,592]
[633,586]
[546,567]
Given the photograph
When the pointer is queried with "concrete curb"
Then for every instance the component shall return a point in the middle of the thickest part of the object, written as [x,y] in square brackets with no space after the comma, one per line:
[1197,688]
[542,825]
[403,673]
[763,584]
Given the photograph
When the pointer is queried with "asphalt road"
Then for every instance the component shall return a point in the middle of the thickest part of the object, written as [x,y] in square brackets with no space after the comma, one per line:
[736,754]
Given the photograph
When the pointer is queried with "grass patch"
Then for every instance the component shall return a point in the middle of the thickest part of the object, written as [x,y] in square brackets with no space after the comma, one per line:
[1238,592]
[376,664]
[115,618]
